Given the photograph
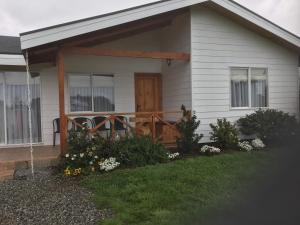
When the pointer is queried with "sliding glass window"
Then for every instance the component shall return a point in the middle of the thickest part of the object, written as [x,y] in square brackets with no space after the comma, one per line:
[91,93]
[14,109]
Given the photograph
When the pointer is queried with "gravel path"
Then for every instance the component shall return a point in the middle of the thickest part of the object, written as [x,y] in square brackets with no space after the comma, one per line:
[49,200]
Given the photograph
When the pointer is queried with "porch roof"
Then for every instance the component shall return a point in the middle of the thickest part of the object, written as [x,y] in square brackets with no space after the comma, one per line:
[229,8]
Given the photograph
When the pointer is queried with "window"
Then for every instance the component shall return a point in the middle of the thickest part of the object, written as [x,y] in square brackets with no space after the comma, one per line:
[14,111]
[91,93]
[249,87]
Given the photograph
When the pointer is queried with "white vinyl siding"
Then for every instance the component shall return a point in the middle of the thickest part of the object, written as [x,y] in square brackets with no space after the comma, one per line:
[177,76]
[219,44]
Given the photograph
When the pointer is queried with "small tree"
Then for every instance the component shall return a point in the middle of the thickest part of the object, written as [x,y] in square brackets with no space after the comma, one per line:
[189,139]
[224,134]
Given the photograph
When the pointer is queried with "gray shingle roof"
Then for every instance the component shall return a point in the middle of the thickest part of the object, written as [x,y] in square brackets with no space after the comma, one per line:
[10,45]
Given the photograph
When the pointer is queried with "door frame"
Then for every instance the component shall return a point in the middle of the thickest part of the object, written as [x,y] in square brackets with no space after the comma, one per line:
[158,87]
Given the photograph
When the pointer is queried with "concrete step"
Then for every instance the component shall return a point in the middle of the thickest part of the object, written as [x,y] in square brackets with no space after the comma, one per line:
[6,175]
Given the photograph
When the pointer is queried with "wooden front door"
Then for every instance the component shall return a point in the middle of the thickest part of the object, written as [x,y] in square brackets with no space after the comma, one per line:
[147,92]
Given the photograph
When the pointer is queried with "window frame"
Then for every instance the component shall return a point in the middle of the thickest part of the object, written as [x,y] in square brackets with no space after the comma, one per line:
[249,107]
[90,75]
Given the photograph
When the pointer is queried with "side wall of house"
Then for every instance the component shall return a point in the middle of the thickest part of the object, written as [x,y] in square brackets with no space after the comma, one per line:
[218,43]
[123,70]
[176,77]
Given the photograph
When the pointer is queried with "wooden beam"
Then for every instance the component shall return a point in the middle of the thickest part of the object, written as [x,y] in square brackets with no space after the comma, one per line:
[61,93]
[127,53]
[97,38]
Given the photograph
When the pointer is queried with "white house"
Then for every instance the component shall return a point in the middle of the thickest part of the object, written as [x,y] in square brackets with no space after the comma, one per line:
[215,57]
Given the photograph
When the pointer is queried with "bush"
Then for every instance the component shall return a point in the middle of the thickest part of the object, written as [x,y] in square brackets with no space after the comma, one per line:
[268,125]
[210,150]
[88,153]
[224,134]
[189,139]
[81,156]
[139,151]
[245,146]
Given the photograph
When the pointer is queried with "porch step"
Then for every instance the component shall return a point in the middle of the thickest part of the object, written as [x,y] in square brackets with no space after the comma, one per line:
[6,175]
[7,169]
[7,166]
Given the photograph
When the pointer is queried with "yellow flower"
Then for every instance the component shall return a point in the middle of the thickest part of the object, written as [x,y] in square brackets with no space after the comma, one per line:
[68,171]
[77,172]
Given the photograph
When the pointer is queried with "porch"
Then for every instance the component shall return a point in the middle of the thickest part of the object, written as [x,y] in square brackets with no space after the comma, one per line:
[135,71]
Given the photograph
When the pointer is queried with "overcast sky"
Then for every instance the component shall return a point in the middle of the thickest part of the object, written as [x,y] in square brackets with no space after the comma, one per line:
[18,16]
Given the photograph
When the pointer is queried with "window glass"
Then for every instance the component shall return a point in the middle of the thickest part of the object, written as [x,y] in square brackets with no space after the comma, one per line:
[17,122]
[239,87]
[103,93]
[80,93]
[259,87]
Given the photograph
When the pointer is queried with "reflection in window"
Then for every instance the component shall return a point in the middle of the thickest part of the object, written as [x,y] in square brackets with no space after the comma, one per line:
[91,93]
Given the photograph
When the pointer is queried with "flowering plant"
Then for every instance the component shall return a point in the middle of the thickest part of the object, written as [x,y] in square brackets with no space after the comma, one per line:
[210,150]
[245,146]
[258,144]
[109,164]
[173,155]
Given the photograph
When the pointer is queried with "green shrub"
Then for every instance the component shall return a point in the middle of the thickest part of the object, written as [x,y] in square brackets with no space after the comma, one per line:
[82,156]
[86,151]
[139,151]
[189,138]
[224,134]
[268,125]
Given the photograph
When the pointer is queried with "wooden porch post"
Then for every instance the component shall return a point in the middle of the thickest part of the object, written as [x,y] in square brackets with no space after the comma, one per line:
[61,92]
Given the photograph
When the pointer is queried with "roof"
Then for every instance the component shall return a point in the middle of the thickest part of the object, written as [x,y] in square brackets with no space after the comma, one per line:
[10,45]
[79,27]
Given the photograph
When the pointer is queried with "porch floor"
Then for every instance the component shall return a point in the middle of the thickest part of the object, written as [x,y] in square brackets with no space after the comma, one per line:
[23,153]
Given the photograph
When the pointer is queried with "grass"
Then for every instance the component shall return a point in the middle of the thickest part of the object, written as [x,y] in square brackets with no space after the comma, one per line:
[177,192]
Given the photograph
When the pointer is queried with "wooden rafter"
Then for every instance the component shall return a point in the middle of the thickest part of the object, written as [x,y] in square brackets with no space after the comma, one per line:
[128,53]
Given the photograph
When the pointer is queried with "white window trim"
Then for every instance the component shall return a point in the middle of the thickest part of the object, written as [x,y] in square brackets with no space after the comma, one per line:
[249,89]
[91,86]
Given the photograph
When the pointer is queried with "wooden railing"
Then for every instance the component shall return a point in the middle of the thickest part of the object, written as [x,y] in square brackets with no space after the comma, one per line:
[161,126]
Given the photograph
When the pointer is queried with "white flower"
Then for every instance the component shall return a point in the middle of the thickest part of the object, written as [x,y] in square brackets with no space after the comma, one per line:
[91,162]
[109,164]
[74,156]
[81,155]
[90,153]
[173,155]
[210,149]
[258,144]
[245,146]
[94,148]
[72,159]
[96,157]
[67,155]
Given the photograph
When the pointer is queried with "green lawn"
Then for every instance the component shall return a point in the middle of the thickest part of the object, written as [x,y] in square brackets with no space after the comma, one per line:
[177,192]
